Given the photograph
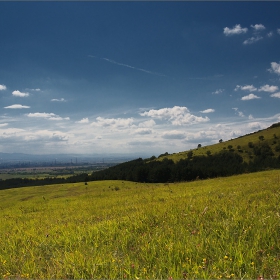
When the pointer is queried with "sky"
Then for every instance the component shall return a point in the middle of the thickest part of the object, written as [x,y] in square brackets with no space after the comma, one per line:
[136,77]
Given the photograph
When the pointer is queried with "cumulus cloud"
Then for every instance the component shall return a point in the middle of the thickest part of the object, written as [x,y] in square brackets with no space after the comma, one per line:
[143,131]
[17,106]
[48,116]
[240,114]
[268,88]
[258,27]
[252,40]
[149,123]
[83,120]
[174,134]
[246,87]
[275,68]
[58,100]
[237,29]
[218,91]
[111,122]
[3,87]
[20,94]
[277,95]
[207,111]
[250,97]
[177,115]
[255,125]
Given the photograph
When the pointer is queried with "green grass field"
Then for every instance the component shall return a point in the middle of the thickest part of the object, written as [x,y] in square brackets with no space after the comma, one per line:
[211,229]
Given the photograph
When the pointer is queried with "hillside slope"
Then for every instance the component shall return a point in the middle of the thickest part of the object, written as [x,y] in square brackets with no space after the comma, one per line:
[240,145]
[250,153]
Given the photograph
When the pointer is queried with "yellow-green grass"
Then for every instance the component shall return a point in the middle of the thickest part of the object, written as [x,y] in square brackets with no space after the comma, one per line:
[218,228]
[241,141]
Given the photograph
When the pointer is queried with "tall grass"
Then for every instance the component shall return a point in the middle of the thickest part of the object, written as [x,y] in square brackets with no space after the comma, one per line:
[218,228]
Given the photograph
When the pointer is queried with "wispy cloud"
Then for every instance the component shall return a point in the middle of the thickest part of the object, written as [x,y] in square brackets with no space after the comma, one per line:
[252,40]
[250,97]
[128,66]
[20,94]
[207,111]
[3,87]
[58,100]
[3,124]
[218,91]
[48,116]
[246,87]
[236,30]
[17,106]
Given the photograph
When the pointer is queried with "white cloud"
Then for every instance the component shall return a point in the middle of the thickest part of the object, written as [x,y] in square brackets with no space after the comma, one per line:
[177,115]
[250,117]
[48,116]
[258,27]
[275,68]
[3,87]
[247,87]
[20,94]
[84,120]
[149,123]
[252,40]
[36,89]
[174,134]
[278,31]
[207,111]
[58,100]
[143,131]
[218,91]
[17,106]
[3,124]
[119,122]
[277,95]
[255,125]
[268,88]
[237,29]
[250,97]
[270,34]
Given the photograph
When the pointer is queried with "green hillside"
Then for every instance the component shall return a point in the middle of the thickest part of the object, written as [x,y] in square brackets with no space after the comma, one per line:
[224,228]
[239,145]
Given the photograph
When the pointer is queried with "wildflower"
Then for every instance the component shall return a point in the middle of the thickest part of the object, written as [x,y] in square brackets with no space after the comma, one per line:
[225,257]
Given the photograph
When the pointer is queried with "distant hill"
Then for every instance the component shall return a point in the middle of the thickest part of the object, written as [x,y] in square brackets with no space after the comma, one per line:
[250,153]
[243,145]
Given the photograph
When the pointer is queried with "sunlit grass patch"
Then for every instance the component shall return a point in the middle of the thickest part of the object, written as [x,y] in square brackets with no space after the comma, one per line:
[220,228]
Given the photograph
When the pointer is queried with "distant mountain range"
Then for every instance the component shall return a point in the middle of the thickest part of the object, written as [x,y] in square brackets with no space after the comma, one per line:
[65,158]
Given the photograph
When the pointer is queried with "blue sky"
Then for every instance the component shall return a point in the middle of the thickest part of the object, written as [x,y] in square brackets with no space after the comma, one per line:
[145,77]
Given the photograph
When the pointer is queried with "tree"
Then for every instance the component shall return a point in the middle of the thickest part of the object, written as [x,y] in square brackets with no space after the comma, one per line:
[221,140]
[190,154]
[199,146]
[261,137]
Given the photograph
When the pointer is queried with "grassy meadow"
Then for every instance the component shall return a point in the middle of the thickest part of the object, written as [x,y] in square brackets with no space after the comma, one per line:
[210,229]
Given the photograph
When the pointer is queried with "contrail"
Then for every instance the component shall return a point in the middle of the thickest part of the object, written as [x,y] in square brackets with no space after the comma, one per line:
[128,66]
